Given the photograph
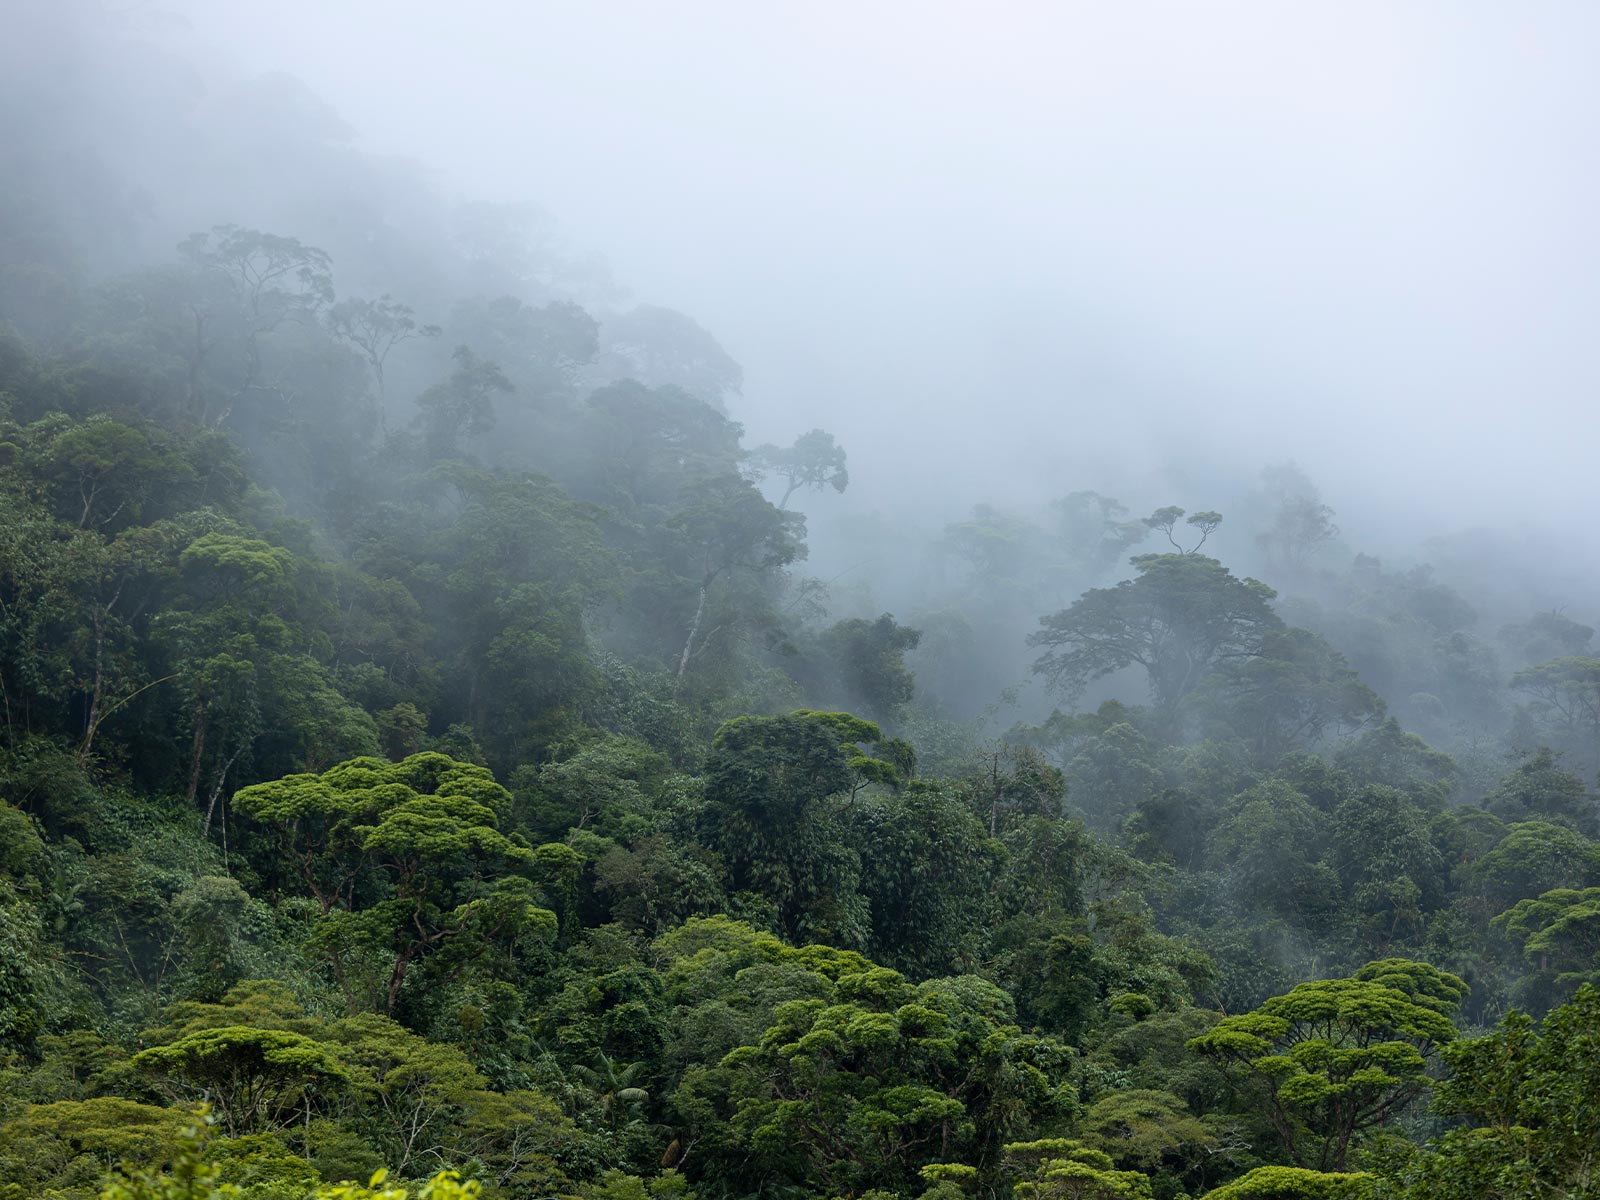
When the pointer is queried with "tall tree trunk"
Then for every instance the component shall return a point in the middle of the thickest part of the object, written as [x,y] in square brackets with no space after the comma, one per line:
[198,750]
[397,977]
[694,630]
[222,777]
[383,406]
[92,721]
[402,963]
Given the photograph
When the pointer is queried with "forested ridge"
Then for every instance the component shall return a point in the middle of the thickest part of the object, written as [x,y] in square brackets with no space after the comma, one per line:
[423,749]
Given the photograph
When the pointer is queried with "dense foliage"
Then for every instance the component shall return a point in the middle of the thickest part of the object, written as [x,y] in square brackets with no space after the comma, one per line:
[420,751]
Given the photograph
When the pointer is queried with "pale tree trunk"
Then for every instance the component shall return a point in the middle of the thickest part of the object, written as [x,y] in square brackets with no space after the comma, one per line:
[694,630]
[694,626]
[222,777]
[383,403]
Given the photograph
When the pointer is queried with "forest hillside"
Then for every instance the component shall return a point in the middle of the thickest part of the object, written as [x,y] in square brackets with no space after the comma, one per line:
[425,750]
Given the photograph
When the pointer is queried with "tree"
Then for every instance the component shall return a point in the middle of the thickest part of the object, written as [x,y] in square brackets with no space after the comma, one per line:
[211,918]
[189,1176]
[617,1185]
[1182,616]
[1015,782]
[541,349]
[1566,692]
[236,647]
[1108,763]
[1095,532]
[867,664]
[267,280]
[24,970]
[1527,1094]
[238,584]
[1166,520]
[1301,527]
[255,1079]
[927,870]
[1560,931]
[1146,1130]
[48,1144]
[1295,1183]
[69,645]
[600,787]
[658,883]
[1291,693]
[420,1090]
[1338,1056]
[1547,635]
[510,566]
[659,346]
[1384,853]
[1301,524]
[1537,789]
[726,524]
[862,1088]
[645,445]
[1386,755]
[462,406]
[113,467]
[1530,859]
[1000,550]
[376,327]
[405,860]
[775,791]
[1061,1169]
[1269,844]
[814,461]
[521,1138]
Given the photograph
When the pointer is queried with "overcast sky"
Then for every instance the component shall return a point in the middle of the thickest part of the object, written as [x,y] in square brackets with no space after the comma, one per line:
[1035,247]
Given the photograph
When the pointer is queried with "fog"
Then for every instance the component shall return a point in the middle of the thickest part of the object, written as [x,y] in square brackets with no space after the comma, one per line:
[1008,251]
[753,599]
[1004,254]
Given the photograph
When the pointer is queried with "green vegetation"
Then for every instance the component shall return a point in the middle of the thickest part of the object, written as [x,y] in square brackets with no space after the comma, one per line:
[421,752]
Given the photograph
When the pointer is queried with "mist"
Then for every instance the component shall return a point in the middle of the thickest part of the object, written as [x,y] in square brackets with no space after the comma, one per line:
[999,250]
[1003,257]
[776,600]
